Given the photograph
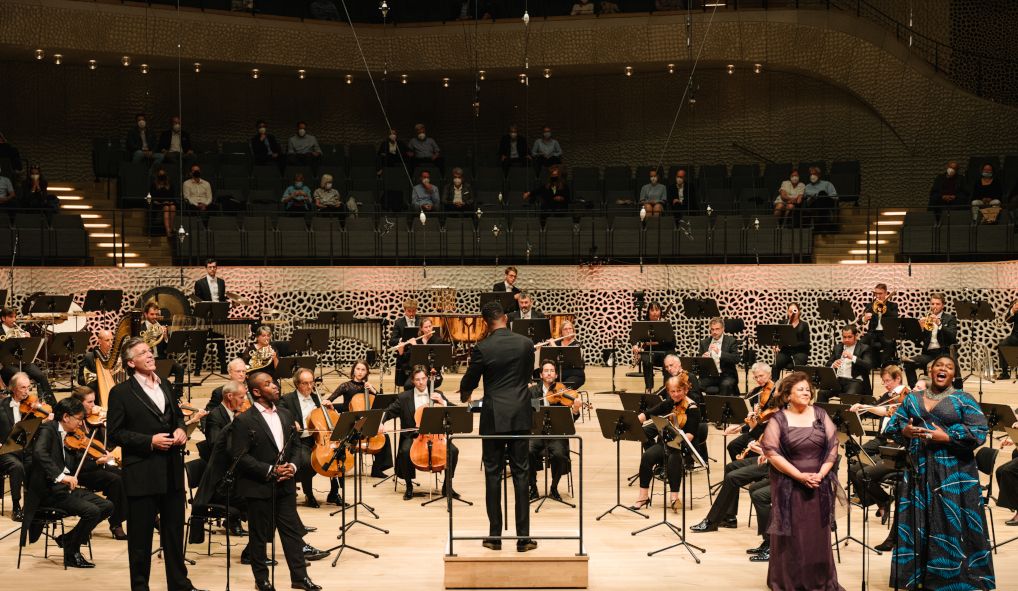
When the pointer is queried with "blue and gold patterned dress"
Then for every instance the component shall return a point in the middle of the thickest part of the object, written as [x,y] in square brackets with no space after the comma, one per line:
[942,540]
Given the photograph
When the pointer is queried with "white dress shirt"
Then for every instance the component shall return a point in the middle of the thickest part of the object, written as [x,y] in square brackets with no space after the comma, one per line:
[307,404]
[411,322]
[16,406]
[934,341]
[213,287]
[152,389]
[714,349]
[271,416]
[525,315]
[67,470]
[845,369]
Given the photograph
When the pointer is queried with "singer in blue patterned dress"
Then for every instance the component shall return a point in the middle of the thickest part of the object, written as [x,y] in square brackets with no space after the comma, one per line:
[941,524]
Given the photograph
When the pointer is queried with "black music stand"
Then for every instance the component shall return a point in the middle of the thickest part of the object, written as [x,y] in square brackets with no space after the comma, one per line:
[365,424]
[775,335]
[446,420]
[972,312]
[409,332]
[70,345]
[50,305]
[1013,434]
[1010,354]
[431,356]
[334,318]
[187,343]
[551,420]
[638,402]
[999,417]
[909,328]
[535,329]
[506,298]
[642,331]
[850,434]
[311,342]
[700,309]
[727,410]
[19,351]
[839,311]
[822,378]
[618,426]
[288,365]
[103,300]
[349,428]
[211,313]
[674,440]
[699,367]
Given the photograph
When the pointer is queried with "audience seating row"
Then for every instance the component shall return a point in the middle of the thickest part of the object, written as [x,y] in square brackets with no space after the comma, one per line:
[44,239]
[955,237]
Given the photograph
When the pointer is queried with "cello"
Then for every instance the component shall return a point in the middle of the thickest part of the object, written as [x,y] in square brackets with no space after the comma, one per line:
[428,452]
[324,458]
[360,402]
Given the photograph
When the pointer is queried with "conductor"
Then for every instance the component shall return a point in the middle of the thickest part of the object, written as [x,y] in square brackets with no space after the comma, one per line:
[506,360]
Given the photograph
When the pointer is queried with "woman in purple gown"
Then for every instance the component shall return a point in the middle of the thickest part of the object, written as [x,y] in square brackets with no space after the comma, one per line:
[801,445]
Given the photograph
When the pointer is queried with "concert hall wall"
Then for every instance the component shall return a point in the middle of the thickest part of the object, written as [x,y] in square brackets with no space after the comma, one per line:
[601,297]
[832,87]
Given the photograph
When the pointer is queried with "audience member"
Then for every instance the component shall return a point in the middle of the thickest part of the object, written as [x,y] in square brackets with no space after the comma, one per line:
[197,191]
[553,195]
[297,197]
[324,10]
[583,7]
[162,199]
[546,150]
[391,152]
[7,150]
[264,146]
[141,142]
[175,142]
[424,149]
[327,198]
[653,195]
[7,193]
[458,196]
[512,149]
[303,147]
[987,192]
[608,7]
[425,195]
[818,187]
[789,195]
[681,194]
[948,190]
[34,195]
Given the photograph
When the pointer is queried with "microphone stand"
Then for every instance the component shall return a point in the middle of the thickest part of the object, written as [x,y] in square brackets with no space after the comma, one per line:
[279,458]
[227,484]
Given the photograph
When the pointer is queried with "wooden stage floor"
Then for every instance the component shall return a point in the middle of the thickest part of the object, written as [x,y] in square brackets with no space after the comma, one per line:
[413,550]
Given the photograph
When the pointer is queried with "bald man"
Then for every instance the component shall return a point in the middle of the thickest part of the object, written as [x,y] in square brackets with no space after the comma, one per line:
[86,370]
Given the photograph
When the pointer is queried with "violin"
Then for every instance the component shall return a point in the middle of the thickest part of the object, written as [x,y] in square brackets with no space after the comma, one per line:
[31,407]
[97,417]
[322,421]
[761,412]
[79,441]
[559,393]
[370,445]
[191,414]
[678,415]
[428,452]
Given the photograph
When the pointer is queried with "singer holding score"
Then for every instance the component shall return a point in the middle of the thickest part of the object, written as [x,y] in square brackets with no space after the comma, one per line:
[942,540]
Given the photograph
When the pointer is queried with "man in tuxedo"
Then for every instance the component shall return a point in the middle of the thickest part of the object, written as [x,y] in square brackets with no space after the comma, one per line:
[509,285]
[150,324]
[506,361]
[881,350]
[407,320]
[935,342]
[237,372]
[557,449]
[215,450]
[405,408]
[9,328]
[724,351]
[300,403]
[13,464]
[146,423]
[100,354]
[53,483]
[526,309]
[211,289]
[849,361]
[259,436]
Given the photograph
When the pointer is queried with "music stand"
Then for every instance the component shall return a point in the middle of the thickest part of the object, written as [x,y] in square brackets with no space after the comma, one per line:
[50,306]
[535,329]
[775,335]
[971,312]
[187,342]
[211,312]
[642,331]
[382,402]
[446,420]
[409,332]
[727,410]
[850,433]
[288,365]
[699,367]
[910,329]
[1013,434]
[551,420]
[822,378]
[68,344]
[999,417]
[638,402]
[700,309]
[366,424]
[431,356]
[506,298]
[20,351]
[163,369]
[1010,355]
[334,318]
[103,300]
[350,427]
[619,426]
[839,311]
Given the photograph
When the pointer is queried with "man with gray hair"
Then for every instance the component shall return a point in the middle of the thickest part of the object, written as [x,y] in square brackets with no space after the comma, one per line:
[13,464]
[301,403]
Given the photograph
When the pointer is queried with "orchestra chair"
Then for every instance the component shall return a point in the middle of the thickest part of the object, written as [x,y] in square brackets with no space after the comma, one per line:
[986,457]
[49,518]
[212,514]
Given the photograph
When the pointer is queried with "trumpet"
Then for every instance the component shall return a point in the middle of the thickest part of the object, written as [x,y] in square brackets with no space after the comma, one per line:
[412,341]
[16,333]
[879,308]
[928,322]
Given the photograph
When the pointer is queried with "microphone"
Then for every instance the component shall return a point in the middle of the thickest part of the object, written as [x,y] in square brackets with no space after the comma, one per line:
[756,223]
[495,231]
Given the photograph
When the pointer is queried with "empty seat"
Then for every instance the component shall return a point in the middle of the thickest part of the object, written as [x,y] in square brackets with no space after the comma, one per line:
[362,155]
[625,237]
[993,238]
[266,176]
[712,177]
[720,200]
[132,184]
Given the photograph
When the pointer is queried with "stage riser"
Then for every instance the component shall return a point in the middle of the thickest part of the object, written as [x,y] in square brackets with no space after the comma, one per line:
[516,572]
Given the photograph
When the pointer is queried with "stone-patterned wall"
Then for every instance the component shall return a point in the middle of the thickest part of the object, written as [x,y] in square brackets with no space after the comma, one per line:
[600,297]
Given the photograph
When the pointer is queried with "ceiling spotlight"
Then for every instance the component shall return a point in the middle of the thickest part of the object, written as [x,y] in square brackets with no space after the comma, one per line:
[348,78]
[547,72]
[125,61]
[39,54]
[731,69]
[302,74]
[480,74]
[445,83]
[384,7]
[144,68]
[629,70]
[91,64]
[255,72]
[671,68]
[58,58]
[197,67]
[757,68]
[403,78]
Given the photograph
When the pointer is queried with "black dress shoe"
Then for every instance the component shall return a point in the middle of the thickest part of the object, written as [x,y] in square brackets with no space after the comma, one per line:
[533,493]
[17,514]
[729,523]
[312,553]
[237,529]
[77,561]
[264,586]
[526,545]
[306,584]
[379,474]
[118,533]
[553,493]
[492,544]
[764,556]
[704,526]
[334,499]
[409,493]
[1004,376]
[1012,521]
[311,501]
[887,545]
[245,558]
[309,529]
[762,547]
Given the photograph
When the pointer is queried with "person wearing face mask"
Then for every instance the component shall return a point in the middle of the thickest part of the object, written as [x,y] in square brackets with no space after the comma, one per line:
[821,199]
[546,150]
[681,194]
[458,197]
[653,195]
[948,190]
[197,191]
[554,195]
[512,149]
[141,142]
[425,196]
[582,8]
[34,194]
[424,149]
[789,195]
[327,198]
[986,193]
[303,147]
[297,197]
[391,152]
[264,146]
[162,200]
[175,142]
[818,187]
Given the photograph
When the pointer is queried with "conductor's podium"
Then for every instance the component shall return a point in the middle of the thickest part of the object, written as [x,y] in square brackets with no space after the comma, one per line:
[509,569]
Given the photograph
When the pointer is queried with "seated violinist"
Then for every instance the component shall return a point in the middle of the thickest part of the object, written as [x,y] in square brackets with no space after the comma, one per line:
[557,449]
[405,407]
[101,473]
[10,329]
[683,414]
[52,483]
[764,407]
[426,335]
[12,464]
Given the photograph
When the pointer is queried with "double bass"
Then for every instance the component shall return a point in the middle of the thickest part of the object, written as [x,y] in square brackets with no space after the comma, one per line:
[428,452]
[324,460]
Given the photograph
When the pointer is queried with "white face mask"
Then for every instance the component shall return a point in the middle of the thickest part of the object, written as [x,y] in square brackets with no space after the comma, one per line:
[302,132]
[141,124]
[176,128]
[392,137]
[328,186]
[261,130]
[457,182]
[813,178]
[950,171]
[426,182]
[35,177]
[653,180]
[298,184]
[421,136]
[513,135]
[795,180]
[547,135]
